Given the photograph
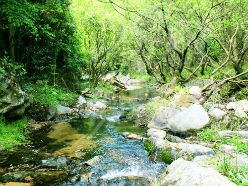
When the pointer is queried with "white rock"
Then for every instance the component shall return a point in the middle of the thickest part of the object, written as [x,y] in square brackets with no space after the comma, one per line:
[134,136]
[194,149]
[156,133]
[240,113]
[177,120]
[94,161]
[160,119]
[231,106]
[81,101]
[192,118]
[229,149]
[186,173]
[240,108]
[196,92]
[241,160]
[217,113]
[96,106]
[61,110]
[228,133]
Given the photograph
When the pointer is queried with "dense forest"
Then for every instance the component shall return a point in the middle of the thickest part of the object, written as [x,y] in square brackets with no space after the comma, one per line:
[71,69]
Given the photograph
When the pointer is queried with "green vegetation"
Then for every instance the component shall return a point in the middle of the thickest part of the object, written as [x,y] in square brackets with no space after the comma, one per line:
[235,174]
[12,134]
[210,135]
[44,94]
[150,147]
[167,157]
[242,94]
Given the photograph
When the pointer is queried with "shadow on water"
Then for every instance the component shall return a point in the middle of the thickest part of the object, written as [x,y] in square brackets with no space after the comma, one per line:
[67,146]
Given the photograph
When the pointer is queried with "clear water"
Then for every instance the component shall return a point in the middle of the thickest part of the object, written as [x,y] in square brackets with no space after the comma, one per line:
[122,161]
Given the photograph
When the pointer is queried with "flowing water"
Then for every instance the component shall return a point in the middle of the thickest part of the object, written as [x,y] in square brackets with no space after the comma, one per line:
[67,147]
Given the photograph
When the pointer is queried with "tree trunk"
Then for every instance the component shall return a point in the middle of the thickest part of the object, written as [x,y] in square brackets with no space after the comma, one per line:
[12,42]
[1,44]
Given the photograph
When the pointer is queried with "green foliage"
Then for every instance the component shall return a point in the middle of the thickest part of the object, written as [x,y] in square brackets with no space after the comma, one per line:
[12,134]
[236,174]
[150,147]
[242,94]
[167,157]
[45,94]
[8,68]
[210,135]
[223,94]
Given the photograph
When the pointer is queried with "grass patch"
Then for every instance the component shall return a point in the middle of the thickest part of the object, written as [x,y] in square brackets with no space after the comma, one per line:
[150,147]
[47,95]
[210,135]
[12,134]
[238,175]
[153,105]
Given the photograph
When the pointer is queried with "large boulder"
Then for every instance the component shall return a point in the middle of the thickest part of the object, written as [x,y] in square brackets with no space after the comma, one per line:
[186,173]
[13,100]
[180,120]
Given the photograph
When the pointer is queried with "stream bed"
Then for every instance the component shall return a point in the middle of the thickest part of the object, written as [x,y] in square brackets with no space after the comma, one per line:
[86,151]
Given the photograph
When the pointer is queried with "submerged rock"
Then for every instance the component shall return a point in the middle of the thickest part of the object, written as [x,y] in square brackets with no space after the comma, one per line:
[186,173]
[72,141]
[53,162]
[94,161]
[16,184]
[38,177]
[177,120]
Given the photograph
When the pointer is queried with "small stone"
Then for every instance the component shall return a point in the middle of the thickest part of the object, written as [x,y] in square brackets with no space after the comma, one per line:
[125,134]
[81,101]
[196,92]
[241,160]
[134,136]
[229,149]
[94,161]
[217,113]
[228,133]
[156,133]
[195,149]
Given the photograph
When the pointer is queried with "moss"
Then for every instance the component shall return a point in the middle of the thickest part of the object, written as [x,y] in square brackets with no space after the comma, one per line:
[150,147]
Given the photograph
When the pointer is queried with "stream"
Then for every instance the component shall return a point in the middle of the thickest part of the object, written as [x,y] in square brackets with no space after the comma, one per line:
[86,151]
